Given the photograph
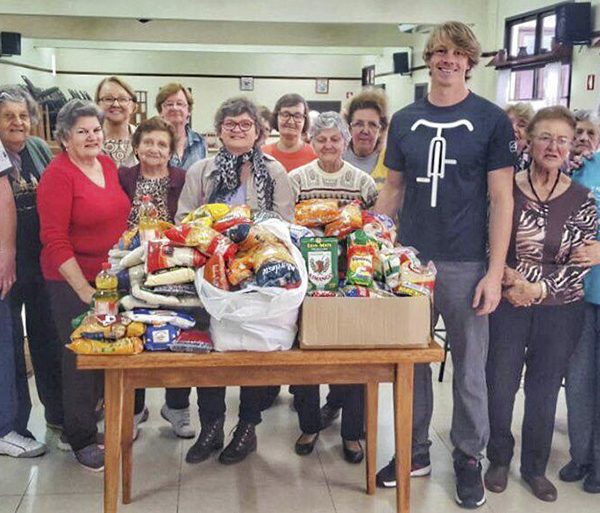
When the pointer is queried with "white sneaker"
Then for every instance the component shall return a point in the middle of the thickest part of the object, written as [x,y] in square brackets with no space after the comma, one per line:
[139,418]
[180,421]
[17,446]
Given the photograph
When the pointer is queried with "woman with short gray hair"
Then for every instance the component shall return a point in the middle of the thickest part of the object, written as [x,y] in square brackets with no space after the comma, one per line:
[29,156]
[83,212]
[329,176]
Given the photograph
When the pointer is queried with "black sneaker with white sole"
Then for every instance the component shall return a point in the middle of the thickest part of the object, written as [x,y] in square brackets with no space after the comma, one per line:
[470,493]
[420,466]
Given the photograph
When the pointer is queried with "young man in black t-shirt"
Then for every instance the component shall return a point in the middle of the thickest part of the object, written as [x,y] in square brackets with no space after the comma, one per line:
[449,154]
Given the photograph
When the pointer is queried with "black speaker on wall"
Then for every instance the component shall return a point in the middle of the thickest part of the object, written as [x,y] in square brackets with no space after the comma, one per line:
[401,63]
[10,43]
[573,23]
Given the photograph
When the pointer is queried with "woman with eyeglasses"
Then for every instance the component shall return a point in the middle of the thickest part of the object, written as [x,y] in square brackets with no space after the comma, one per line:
[117,100]
[539,320]
[366,115]
[290,119]
[239,174]
[174,104]
[520,115]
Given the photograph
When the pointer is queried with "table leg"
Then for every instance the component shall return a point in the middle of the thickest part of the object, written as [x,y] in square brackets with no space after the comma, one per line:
[113,401]
[403,398]
[371,409]
[127,443]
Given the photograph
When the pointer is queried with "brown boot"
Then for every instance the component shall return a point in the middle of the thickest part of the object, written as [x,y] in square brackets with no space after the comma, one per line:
[541,487]
[496,478]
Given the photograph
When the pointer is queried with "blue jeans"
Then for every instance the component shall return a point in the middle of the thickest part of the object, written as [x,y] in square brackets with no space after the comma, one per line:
[8,389]
[583,392]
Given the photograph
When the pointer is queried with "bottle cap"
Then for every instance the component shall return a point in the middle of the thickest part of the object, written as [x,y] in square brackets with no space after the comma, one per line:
[146,198]
[106,266]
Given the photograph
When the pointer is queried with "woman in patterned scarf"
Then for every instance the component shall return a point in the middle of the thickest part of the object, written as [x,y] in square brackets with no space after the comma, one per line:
[538,322]
[239,174]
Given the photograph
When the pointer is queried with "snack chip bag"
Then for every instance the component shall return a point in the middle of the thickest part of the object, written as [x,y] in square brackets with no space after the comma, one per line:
[321,258]
[237,215]
[240,268]
[316,212]
[350,219]
[206,214]
[163,255]
[123,346]
[215,272]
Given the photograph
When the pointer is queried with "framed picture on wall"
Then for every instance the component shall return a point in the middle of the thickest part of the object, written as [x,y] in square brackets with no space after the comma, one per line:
[322,85]
[246,83]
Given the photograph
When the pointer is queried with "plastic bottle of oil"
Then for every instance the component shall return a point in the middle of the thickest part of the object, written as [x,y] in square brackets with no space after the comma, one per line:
[106,299]
[148,223]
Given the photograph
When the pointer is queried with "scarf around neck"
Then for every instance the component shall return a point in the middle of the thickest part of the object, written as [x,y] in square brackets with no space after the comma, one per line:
[228,176]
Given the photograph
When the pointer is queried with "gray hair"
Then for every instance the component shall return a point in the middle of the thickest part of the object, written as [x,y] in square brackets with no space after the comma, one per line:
[328,120]
[71,112]
[587,115]
[18,94]
[236,107]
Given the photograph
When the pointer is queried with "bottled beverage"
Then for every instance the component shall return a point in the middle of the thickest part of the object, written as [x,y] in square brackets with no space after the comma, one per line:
[106,298]
[148,223]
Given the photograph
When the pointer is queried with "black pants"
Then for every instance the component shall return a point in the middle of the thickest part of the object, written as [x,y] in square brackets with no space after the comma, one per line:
[211,403]
[334,398]
[542,338]
[44,344]
[307,403]
[79,387]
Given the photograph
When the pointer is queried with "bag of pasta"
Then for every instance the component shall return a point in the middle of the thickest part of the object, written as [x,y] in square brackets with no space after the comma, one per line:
[123,346]
[275,267]
[203,238]
[316,212]
[240,214]
[350,220]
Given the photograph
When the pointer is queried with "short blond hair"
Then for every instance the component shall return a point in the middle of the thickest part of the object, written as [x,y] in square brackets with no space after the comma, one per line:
[168,90]
[458,35]
[521,110]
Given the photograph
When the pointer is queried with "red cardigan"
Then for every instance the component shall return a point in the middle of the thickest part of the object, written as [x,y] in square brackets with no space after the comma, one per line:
[77,217]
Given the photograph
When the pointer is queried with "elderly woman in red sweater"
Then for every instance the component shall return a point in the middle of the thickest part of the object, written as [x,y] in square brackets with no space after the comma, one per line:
[83,211]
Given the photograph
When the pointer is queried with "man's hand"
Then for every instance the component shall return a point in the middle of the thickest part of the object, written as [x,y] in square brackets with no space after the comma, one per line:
[8,272]
[487,294]
[511,276]
[588,254]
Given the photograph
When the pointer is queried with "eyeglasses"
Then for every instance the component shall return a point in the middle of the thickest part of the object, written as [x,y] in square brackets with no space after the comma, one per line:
[547,139]
[361,125]
[121,100]
[179,105]
[286,116]
[244,125]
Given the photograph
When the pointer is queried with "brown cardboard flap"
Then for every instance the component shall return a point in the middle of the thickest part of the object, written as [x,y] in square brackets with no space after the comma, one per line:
[365,322]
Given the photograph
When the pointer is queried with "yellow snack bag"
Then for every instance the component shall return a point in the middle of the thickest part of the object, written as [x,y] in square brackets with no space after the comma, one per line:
[123,346]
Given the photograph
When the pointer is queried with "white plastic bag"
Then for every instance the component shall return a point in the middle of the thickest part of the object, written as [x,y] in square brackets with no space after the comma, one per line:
[256,318]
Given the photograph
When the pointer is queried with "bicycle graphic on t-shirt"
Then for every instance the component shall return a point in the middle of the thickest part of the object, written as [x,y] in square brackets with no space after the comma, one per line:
[437,161]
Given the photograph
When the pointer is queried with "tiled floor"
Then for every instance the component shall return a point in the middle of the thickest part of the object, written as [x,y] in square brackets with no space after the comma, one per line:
[272,480]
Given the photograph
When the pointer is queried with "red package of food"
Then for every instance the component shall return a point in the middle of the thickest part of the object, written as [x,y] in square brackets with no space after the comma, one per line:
[215,272]
[237,215]
[350,220]
[317,212]
[203,238]
[163,255]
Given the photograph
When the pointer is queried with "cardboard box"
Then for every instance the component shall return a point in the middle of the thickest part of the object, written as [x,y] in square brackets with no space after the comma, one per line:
[343,323]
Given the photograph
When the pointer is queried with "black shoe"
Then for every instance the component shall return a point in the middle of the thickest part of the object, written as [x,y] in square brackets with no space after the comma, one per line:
[328,415]
[353,456]
[573,472]
[470,493]
[242,444]
[302,449]
[541,487]
[496,478]
[420,466]
[591,484]
[210,439]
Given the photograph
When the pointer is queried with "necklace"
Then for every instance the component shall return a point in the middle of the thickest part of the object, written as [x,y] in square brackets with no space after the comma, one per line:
[535,192]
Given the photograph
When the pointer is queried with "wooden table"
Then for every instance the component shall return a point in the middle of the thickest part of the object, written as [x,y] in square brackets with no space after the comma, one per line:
[123,374]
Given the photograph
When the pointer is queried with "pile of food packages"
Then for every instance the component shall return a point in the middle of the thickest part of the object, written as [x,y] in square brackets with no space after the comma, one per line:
[146,294]
[351,252]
